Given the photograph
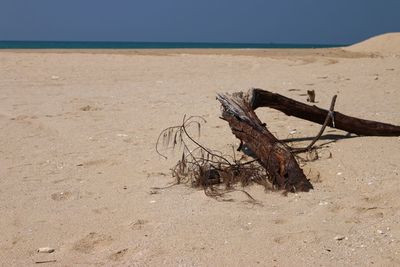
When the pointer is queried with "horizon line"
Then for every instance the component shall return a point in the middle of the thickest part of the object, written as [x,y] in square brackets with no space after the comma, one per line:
[180,42]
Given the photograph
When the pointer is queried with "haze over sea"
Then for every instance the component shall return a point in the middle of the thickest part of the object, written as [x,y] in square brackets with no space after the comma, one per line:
[147,45]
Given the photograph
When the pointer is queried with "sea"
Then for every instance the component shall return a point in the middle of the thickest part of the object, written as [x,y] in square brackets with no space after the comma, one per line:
[149,45]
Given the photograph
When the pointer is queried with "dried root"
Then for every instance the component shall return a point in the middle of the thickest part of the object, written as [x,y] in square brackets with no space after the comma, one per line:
[201,167]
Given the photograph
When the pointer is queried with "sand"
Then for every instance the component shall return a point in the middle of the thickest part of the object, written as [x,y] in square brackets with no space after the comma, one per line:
[386,44]
[78,130]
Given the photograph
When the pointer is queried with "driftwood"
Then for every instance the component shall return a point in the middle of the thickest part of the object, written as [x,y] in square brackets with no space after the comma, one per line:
[273,165]
[272,154]
[311,96]
[261,98]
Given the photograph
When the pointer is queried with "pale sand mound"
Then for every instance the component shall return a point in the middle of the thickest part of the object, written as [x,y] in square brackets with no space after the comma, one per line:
[385,44]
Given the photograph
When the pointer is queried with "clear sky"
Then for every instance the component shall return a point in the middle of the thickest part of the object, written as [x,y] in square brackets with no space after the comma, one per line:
[254,21]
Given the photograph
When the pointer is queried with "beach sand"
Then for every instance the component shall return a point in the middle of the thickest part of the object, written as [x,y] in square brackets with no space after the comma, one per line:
[77,160]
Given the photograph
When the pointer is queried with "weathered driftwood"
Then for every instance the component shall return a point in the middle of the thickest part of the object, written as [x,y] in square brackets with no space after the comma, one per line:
[272,154]
[261,98]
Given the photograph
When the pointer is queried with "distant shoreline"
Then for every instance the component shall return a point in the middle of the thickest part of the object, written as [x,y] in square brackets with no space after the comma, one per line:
[153,45]
[334,52]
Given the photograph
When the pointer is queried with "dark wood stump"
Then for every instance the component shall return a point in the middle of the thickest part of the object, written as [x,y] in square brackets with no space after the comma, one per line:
[281,166]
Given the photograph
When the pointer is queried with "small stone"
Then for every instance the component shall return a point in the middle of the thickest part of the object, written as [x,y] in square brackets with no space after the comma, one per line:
[339,237]
[46,250]
[380,232]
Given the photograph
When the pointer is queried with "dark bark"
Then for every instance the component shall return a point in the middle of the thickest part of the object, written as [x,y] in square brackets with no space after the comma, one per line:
[272,154]
[261,98]
[275,156]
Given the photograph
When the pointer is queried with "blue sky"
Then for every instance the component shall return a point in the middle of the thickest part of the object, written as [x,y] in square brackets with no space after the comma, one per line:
[254,21]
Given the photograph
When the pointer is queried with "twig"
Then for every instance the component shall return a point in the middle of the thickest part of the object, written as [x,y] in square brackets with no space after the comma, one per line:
[47,261]
[330,115]
[159,137]
[198,144]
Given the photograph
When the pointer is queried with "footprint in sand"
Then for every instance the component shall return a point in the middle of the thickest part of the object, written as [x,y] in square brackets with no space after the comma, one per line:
[308,236]
[23,118]
[93,163]
[100,210]
[138,225]
[279,221]
[118,255]
[59,196]
[89,108]
[90,242]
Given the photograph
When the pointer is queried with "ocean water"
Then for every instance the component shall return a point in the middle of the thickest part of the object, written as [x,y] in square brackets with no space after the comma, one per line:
[146,45]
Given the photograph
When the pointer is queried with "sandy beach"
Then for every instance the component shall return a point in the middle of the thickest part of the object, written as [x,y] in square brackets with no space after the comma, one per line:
[78,160]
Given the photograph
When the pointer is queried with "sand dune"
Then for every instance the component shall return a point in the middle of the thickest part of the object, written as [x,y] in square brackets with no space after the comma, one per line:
[385,44]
